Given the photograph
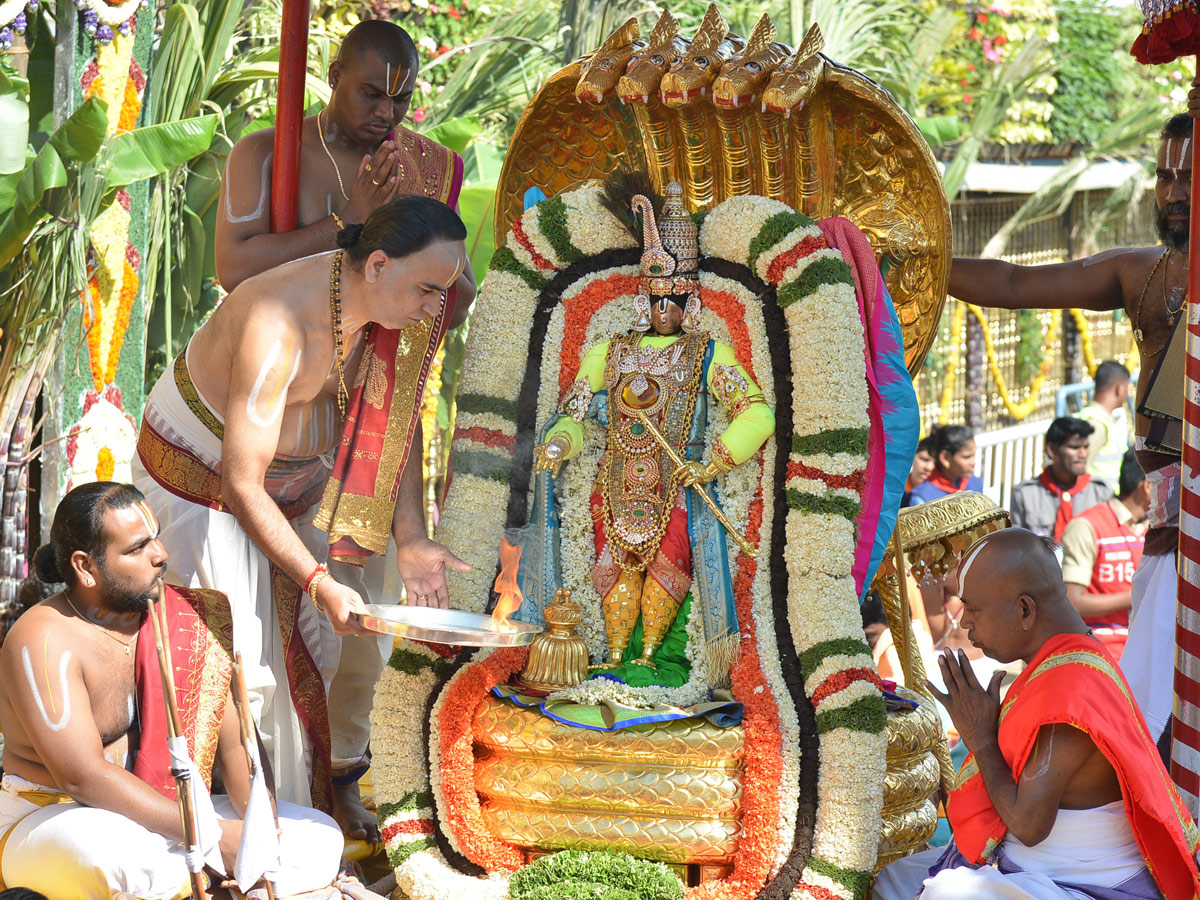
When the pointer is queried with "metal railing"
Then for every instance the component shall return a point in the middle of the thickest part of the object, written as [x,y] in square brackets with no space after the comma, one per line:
[1007,456]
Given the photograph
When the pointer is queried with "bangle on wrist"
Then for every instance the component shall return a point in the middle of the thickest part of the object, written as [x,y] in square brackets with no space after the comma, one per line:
[319,574]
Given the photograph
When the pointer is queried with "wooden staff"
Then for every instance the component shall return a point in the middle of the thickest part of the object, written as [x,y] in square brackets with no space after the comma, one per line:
[183,794]
[740,539]
[241,701]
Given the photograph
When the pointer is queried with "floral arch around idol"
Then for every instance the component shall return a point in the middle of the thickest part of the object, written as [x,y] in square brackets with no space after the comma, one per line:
[599,441]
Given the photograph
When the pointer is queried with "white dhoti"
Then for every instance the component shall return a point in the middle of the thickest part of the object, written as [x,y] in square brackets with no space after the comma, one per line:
[1148,660]
[208,548]
[72,852]
[1089,852]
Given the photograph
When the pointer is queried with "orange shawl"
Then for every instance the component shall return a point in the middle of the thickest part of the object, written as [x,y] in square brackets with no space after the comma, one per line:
[1074,680]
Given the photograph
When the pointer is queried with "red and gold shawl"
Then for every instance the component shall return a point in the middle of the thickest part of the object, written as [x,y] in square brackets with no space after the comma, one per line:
[1074,680]
[200,636]
[385,401]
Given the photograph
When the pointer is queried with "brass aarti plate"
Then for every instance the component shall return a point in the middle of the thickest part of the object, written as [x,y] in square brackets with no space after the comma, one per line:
[447,626]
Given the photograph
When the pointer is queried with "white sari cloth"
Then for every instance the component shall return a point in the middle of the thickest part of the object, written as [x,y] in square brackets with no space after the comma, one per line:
[72,852]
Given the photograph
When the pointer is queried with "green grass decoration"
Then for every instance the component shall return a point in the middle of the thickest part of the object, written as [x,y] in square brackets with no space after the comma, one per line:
[594,875]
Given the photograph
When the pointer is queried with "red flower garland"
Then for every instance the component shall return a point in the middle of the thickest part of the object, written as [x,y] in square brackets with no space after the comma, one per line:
[579,312]
[489,437]
[841,680]
[540,261]
[408,826]
[856,481]
[455,739]
[584,305]
[733,312]
[787,258]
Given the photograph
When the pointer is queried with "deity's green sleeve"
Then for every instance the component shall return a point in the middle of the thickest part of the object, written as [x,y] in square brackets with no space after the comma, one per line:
[572,410]
[753,421]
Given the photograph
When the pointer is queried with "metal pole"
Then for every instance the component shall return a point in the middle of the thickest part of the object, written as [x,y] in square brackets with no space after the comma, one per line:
[289,114]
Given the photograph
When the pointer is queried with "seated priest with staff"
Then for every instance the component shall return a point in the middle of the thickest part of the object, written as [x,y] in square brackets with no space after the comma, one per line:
[87,804]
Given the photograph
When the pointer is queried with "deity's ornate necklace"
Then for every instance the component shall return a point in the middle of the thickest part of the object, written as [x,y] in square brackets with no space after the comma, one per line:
[646,359]
[128,645]
[336,170]
[335,310]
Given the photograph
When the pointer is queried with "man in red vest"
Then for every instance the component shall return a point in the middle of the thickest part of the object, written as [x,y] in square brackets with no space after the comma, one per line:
[1102,547]
[1063,794]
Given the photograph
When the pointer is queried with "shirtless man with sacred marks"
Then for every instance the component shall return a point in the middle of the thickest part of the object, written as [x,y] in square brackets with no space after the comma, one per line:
[290,377]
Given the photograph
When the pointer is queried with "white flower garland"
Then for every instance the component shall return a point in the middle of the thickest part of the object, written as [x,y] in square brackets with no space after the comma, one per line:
[9,10]
[826,349]
[111,14]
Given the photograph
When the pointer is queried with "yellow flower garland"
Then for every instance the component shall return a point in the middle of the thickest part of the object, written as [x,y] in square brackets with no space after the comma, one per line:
[1021,410]
[951,366]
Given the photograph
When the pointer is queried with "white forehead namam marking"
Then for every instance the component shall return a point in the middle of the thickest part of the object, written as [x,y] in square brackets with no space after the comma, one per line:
[146,514]
[393,88]
[1175,151]
[968,561]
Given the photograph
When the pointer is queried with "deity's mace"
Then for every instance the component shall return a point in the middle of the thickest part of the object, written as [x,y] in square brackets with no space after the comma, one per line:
[739,538]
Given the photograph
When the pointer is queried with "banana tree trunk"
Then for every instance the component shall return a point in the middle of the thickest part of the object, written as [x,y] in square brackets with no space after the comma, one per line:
[14,483]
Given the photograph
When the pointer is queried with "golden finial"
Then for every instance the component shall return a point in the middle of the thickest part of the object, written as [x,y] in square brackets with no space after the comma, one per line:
[713,30]
[665,30]
[557,658]
[813,42]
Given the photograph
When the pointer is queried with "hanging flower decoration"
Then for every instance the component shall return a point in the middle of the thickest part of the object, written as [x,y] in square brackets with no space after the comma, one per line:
[104,21]
[100,447]
[14,19]
[112,289]
[818,496]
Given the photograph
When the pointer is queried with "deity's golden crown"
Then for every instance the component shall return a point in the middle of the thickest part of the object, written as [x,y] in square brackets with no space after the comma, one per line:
[670,246]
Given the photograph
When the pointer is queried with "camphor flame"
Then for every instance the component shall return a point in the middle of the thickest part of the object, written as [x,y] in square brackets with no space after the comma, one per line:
[509,595]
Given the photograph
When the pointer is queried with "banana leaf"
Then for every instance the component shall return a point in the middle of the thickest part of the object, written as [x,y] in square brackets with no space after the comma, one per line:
[14,136]
[477,206]
[153,149]
[455,133]
[79,138]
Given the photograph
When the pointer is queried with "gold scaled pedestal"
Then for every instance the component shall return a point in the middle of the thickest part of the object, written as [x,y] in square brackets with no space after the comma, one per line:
[669,792]
[913,774]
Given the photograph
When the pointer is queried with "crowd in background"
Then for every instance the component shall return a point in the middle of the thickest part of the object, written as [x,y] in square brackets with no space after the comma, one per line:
[1091,499]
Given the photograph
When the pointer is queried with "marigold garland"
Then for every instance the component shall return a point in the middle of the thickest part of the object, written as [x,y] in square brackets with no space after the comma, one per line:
[454,734]
[1026,407]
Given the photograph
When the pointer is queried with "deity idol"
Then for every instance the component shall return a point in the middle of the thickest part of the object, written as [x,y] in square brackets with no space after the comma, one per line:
[650,389]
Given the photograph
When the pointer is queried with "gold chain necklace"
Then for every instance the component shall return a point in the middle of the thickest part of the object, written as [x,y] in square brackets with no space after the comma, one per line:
[335,310]
[128,645]
[1138,334]
[336,170]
